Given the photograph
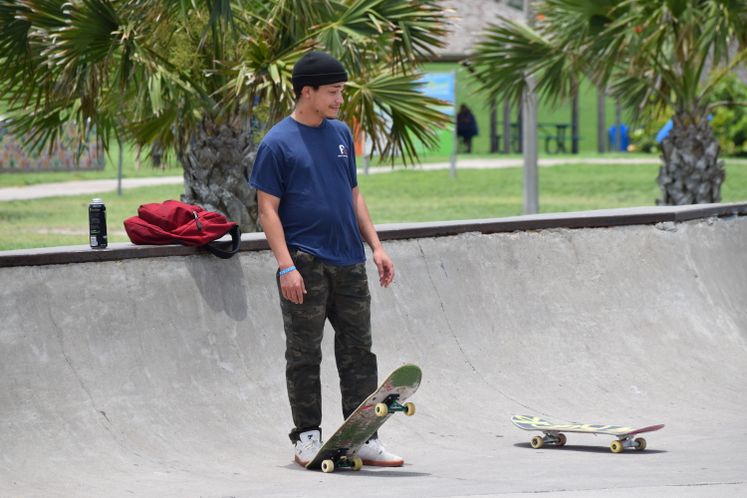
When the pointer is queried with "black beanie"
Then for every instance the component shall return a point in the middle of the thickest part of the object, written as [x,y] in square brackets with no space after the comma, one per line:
[317,68]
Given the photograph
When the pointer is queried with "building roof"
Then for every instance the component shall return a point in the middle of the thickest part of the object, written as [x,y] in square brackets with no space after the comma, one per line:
[469,19]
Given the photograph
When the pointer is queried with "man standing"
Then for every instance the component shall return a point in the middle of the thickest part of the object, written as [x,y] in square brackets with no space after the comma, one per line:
[315,220]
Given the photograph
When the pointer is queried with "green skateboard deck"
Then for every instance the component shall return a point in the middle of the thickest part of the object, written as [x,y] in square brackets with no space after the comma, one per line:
[339,450]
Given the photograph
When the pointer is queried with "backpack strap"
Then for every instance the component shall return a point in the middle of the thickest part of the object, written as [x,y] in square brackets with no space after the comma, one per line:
[225,250]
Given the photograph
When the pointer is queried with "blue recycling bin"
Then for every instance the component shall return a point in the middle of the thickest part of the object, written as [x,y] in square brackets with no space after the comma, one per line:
[624,139]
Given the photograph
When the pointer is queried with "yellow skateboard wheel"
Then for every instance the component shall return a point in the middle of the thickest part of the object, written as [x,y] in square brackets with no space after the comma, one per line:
[328,466]
[381,410]
[537,442]
[562,439]
[409,409]
[641,444]
[616,446]
[357,463]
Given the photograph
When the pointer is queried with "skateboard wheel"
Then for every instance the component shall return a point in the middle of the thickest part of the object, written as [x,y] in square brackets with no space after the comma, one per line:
[409,409]
[537,442]
[328,466]
[562,440]
[616,446]
[640,444]
[381,410]
[357,463]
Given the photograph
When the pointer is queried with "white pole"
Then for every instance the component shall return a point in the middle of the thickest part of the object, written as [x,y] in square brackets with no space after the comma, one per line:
[119,166]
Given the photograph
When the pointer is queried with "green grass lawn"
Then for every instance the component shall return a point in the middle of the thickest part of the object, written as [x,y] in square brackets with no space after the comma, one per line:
[59,221]
[400,196]
[430,196]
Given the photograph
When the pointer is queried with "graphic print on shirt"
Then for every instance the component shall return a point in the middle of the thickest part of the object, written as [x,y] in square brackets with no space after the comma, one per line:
[343,151]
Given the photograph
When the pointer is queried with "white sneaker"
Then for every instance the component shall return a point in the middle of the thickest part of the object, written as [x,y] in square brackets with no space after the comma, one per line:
[307,446]
[374,453]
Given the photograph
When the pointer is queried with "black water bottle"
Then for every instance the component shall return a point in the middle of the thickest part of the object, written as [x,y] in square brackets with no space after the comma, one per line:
[97,224]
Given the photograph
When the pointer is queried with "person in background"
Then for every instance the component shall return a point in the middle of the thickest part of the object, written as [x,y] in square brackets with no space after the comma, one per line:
[466,126]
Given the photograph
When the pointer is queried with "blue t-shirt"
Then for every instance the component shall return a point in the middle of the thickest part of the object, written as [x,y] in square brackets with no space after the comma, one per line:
[312,171]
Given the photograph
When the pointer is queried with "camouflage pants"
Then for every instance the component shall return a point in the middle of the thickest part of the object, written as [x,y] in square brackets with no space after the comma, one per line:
[340,294]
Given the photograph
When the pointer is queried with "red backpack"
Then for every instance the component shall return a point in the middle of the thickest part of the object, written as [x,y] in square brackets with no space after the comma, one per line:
[174,222]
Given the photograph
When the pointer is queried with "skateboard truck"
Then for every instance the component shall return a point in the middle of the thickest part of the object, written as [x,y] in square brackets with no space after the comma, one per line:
[628,442]
[391,404]
[340,460]
[554,438]
[617,446]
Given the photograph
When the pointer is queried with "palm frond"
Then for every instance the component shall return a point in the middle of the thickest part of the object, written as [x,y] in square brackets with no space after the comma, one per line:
[151,70]
[509,53]
[651,55]
[395,114]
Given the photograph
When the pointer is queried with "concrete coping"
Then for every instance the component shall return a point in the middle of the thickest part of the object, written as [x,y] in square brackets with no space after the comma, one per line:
[396,231]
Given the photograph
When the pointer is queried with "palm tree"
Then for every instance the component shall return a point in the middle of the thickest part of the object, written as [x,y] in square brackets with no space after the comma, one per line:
[661,57]
[205,79]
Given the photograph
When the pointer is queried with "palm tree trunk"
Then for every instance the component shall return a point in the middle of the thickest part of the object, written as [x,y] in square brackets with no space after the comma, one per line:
[692,172]
[217,162]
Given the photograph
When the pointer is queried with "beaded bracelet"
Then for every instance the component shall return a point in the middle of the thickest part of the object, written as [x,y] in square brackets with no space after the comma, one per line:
[286,271]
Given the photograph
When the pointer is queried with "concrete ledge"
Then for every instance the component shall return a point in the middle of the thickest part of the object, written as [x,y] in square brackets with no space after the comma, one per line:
[395,231]
[582,219]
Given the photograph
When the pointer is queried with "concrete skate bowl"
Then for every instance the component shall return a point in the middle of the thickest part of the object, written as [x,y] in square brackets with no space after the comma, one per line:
[159,372]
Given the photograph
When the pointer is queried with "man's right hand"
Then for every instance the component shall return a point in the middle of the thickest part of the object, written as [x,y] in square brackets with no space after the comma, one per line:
[292,287]
[291,283]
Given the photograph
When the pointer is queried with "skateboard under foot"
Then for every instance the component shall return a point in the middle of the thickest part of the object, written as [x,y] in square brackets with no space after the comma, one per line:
[339,450]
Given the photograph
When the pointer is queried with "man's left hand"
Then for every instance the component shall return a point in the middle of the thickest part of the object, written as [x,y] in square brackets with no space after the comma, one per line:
[385,266]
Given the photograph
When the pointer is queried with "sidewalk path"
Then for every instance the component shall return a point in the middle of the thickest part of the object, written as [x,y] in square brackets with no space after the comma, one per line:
[110,185]
[81,187]
[513,163]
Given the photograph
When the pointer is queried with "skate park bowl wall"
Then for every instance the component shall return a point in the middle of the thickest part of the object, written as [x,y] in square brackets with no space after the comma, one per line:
[159,371]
